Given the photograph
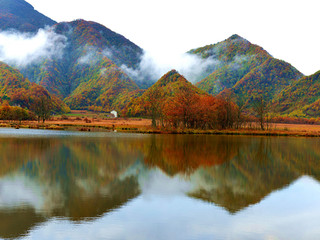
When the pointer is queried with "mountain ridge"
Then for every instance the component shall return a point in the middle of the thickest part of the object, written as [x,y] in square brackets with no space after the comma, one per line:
[236,57]
[90,73]
[20,15]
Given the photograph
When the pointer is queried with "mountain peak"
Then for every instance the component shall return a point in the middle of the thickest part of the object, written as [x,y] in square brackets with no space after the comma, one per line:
[12,5]
[236,37]
[21,16]
[172,72]
[171,76]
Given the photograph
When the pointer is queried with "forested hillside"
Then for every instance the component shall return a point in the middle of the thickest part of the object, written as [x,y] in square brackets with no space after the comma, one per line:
[17,90]
[87,74]
[265,81]
[301,99]
[235,57]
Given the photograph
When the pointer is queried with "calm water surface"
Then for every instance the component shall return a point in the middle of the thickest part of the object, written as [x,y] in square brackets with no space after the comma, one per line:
[73,185]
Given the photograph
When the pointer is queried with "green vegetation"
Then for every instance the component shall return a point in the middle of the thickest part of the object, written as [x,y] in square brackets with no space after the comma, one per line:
[265,81]
[19,91]
[233,58]
[104,85]
[301,99]
[88,75]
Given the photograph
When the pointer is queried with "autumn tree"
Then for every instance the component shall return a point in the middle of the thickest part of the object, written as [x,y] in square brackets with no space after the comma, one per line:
[15,113]
[5,111]
[19,114]
[199,111]
[179,110]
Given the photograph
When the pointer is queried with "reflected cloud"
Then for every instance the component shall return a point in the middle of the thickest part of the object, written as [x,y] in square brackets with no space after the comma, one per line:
[186,218]
[156,183]
[19,190]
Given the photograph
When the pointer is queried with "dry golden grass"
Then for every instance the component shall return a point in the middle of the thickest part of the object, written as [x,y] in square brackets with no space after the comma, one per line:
[297,127]
[144,126]
[117,122]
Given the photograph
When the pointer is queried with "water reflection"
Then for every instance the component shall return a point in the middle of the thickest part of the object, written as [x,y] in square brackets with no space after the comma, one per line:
[73,178]
[83,178]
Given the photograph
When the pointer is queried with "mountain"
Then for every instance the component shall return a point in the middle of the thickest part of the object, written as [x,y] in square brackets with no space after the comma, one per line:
[18,90]
[168,86]
[87,73]
[233,58]
[21,16]
[82,62]
[246,70]
[266,81]
[90,66]
[301,99]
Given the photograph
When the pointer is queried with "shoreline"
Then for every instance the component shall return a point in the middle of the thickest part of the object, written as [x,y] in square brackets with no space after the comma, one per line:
[144,126]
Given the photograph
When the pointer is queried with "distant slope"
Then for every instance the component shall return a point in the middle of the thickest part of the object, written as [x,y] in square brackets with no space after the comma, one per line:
[301,99]
[20,91]
[104,85]
[266,80]
[21,16]
[116,47]
[235,57]
[88,73]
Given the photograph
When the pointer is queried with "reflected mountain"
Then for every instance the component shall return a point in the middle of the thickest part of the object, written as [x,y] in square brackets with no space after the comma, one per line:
[77,179]
[262,166]
[234,172]
[84,178]
[177,154]
[17,222]
[251,175]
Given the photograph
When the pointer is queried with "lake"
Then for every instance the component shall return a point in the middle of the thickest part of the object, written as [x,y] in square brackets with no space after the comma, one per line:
[74,185]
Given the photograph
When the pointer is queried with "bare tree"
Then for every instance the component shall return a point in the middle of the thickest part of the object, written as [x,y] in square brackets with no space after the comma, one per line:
[231,116]
[261,109]
[240,118]
[42,106]
[154,105]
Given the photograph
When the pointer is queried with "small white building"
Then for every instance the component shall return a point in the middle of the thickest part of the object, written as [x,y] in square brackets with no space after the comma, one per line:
[114,113]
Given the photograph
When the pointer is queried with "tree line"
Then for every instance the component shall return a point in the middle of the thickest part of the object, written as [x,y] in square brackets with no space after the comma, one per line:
[40,109]
[185,109]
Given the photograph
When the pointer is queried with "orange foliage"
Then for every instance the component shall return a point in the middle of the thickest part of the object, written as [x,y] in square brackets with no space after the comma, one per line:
[201,112]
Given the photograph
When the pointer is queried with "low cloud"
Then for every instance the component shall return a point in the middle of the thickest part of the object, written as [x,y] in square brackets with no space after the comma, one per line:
[22,49]
[153,66]
[108,71]
[90,56]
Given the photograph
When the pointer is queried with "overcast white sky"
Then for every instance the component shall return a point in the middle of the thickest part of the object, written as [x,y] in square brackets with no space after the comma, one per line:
[287,29]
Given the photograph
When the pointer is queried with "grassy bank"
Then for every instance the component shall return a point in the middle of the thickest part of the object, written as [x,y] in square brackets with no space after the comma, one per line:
[144,126]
